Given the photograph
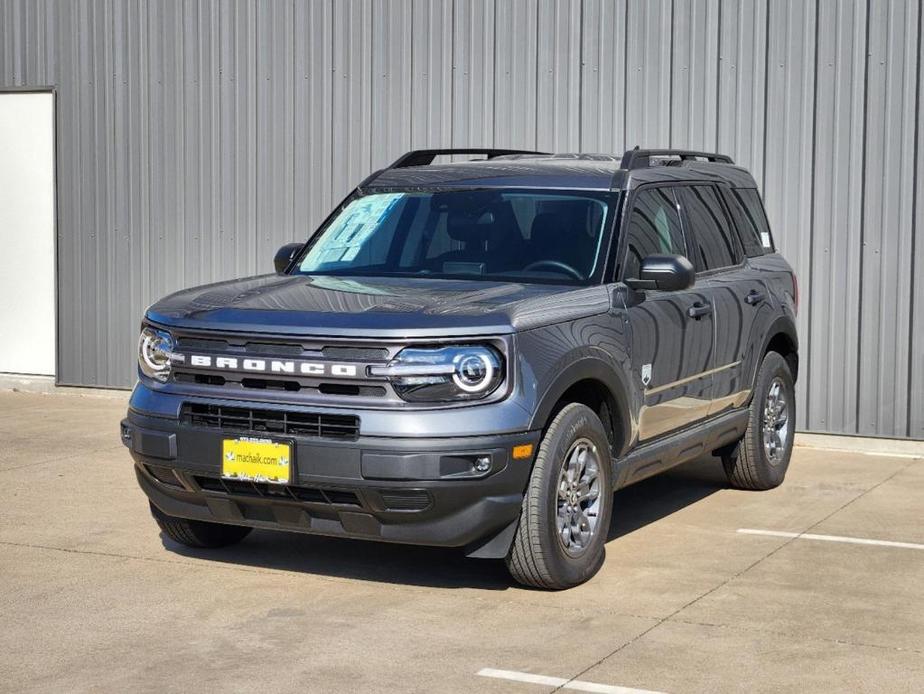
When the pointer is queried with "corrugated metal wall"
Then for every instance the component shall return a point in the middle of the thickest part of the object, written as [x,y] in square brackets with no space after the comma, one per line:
[195,137]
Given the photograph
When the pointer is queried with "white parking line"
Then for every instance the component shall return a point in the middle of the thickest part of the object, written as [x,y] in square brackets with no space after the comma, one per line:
[832,538]
[576,685]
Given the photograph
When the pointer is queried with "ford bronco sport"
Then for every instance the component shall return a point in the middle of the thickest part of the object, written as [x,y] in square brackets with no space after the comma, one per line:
[476,354]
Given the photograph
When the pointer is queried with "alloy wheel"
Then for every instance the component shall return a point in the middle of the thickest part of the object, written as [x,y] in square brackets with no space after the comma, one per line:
[578,502]
[776,422]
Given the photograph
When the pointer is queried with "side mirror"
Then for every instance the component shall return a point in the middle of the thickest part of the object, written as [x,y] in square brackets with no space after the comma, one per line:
[285,256]
[669,273]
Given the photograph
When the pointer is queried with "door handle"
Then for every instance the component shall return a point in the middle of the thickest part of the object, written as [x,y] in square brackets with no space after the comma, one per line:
[754,297]
[698,310]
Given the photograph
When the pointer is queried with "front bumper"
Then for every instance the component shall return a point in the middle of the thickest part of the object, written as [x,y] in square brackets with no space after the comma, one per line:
[412,490]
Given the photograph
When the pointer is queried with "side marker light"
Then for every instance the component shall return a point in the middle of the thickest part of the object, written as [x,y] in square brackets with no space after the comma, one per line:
[522,451]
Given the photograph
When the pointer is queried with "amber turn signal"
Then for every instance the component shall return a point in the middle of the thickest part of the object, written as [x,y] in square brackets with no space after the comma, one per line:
[523,451]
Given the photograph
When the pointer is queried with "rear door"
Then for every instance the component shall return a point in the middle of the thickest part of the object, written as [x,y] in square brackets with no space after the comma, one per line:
[721,273]
[751,290]
[671,350]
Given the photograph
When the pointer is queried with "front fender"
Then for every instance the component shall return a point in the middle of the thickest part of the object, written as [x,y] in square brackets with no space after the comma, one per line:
[587,367]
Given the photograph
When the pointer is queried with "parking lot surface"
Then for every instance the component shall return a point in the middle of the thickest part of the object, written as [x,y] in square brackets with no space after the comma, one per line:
[705,589]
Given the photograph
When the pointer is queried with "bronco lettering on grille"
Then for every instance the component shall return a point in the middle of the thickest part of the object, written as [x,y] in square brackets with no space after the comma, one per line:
[279,366]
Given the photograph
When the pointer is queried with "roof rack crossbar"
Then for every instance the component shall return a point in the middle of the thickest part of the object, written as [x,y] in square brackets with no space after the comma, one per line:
[641,158]
[423,157]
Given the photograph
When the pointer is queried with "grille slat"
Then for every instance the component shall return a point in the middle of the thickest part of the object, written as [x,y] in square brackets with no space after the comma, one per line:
[311,424]
[333,497]
[405,499]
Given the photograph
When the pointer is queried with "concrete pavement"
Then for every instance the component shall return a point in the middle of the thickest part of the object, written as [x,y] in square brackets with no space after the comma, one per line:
[94,599]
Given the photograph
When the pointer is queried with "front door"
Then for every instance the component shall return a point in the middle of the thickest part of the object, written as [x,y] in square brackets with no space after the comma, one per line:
[672,333]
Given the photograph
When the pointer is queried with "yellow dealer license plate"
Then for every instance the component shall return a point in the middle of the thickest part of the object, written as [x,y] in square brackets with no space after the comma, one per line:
[256,460]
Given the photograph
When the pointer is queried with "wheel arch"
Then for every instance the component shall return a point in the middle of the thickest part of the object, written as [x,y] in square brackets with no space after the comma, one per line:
[595,383]
[782,338]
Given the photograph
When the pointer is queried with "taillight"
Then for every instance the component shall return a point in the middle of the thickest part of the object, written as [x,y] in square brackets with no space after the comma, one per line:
[795,292]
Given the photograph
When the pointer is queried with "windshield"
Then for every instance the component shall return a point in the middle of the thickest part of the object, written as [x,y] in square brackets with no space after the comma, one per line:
[498,235]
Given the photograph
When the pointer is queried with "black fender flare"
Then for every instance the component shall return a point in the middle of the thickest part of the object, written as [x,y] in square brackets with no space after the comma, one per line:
[588,368]
[782,325]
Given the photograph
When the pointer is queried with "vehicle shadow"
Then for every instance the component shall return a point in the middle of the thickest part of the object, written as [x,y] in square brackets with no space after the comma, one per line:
[379,562]
[650,500]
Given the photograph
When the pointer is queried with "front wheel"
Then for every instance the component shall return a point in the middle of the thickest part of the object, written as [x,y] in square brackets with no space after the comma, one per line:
[761,458]
[565,516]
[198,534]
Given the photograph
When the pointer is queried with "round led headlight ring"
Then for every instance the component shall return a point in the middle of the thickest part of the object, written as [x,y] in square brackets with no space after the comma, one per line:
[154,350]
[474,372]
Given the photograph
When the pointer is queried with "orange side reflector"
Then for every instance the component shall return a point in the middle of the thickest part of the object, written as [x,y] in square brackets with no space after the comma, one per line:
[523,451]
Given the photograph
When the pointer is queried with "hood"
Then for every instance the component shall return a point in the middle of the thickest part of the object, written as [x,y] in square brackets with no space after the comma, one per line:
[374,307]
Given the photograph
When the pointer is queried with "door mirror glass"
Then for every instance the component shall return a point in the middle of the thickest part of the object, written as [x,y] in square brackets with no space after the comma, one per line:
[667,273]
[285,255]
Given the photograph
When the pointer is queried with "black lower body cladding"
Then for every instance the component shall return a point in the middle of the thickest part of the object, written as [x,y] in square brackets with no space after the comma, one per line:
[452,492]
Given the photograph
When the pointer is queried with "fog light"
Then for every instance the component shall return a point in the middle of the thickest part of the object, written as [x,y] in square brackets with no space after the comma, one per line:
[482,463]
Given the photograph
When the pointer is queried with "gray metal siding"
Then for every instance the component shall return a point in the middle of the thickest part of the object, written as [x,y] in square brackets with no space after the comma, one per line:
[196,137]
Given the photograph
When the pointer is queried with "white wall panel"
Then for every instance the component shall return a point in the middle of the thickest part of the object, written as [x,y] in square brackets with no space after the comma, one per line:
[27,233]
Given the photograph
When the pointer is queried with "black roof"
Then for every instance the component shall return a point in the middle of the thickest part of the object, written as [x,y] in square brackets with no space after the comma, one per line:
[591,172]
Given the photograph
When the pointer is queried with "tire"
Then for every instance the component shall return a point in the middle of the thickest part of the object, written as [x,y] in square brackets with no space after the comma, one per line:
[750,465]
[198,534]
[538,556]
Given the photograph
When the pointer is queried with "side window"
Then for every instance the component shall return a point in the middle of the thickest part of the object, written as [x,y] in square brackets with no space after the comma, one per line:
[754,208]
[748,234]
[711,238]
[654,228]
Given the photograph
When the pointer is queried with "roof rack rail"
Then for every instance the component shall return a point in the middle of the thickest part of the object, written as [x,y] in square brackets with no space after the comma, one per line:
[641,158]
[422,157]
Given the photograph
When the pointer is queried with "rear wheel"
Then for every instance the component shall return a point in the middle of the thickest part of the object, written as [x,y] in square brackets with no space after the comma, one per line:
[565,516]
[761,458]
[198,534]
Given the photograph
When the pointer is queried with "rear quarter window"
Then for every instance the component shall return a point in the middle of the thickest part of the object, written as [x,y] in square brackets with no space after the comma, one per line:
[754,208]
[746,229]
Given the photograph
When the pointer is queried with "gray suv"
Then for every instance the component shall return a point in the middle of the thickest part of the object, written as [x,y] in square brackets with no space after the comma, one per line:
[476,354]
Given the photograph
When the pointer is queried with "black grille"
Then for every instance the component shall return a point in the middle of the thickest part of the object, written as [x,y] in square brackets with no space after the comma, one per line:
[328,426]
[356,353]
[196,344]
[339,497]
[273,349]
[405,499]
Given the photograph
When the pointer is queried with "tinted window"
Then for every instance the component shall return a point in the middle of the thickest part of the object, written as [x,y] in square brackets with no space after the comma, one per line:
[654,228]
[710,235]
[754,208]
[507,235]
[748,234]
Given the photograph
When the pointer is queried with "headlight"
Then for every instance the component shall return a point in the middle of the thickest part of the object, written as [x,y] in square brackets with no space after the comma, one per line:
[444,374]
[154,350]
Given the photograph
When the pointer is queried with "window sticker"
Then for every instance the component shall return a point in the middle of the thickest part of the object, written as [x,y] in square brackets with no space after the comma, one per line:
[353,226]
[765,239]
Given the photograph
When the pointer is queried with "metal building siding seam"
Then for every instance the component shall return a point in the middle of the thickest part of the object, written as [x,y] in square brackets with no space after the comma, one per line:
[788,177]
[836,213]
[916,346]
[431,73]
[515,74]
[603,81]
[886,265]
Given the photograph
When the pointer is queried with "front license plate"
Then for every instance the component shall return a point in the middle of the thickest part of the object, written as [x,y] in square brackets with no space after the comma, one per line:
[256,460]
